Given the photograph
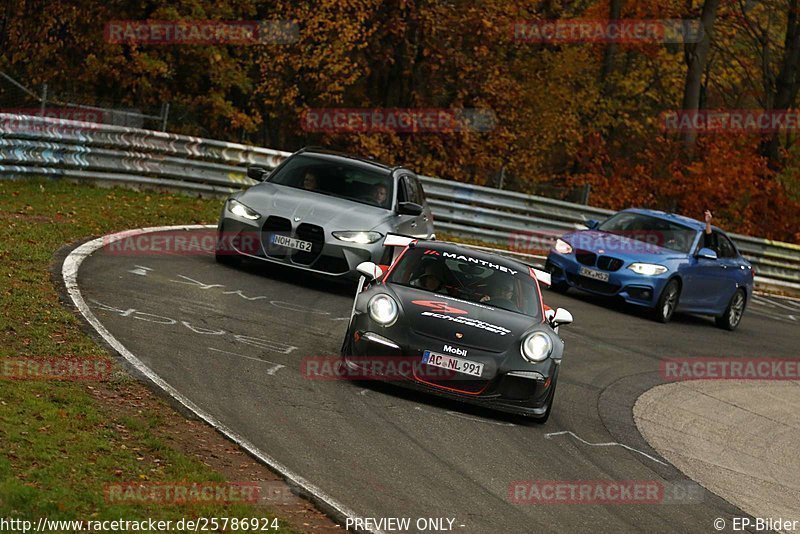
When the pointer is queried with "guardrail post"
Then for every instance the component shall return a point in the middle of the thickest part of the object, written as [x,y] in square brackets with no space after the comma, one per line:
[164,115]
[43,100]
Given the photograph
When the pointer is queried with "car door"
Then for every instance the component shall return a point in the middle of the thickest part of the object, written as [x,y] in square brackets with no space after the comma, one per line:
[703,279]
[732,275]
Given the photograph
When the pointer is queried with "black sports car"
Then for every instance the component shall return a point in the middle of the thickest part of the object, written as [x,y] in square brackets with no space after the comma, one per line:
[458,323]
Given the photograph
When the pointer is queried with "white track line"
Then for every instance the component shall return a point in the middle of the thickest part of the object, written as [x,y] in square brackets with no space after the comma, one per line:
[69,272]
[609,444]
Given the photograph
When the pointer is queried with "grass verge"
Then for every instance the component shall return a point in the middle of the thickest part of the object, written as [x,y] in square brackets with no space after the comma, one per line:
[61,443]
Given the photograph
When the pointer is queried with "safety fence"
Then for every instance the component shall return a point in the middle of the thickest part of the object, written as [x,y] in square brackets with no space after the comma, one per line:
[528,225]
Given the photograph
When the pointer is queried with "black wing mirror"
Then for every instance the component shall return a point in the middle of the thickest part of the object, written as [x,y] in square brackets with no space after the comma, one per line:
[409,208]
[257,173]
[591,224]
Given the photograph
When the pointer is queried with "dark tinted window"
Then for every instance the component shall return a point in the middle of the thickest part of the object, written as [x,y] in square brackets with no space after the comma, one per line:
[338,179]
[413,190]
[725,247]
[464,276]
[651,230]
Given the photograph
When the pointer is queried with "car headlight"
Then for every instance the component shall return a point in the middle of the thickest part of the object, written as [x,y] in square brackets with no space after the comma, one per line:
[648,269]
[240,210]
[362,238]
[562,247]
[536,347]
[383,310]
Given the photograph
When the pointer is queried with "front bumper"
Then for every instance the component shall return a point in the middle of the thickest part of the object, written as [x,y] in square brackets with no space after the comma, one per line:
[506,385]
[624,283]
[329,256]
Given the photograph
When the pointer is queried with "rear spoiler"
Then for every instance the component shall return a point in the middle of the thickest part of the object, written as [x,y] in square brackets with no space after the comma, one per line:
[398,243]
[542,276]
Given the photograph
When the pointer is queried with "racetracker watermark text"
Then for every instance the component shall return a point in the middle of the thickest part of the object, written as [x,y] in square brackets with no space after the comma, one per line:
[676,369]
[608,31]
[604,492]
[67,369]
[732,121]
[201,32]
[142,492]
[398,120]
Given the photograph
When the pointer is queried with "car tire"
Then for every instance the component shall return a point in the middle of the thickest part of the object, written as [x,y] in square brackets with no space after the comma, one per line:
[667,302]
[733,312]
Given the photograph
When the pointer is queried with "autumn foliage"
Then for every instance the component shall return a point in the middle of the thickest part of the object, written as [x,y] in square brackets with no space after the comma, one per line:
[568,114]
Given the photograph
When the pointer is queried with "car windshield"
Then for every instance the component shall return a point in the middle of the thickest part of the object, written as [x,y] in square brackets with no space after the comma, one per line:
[338,179]
[480,280]
[651,230]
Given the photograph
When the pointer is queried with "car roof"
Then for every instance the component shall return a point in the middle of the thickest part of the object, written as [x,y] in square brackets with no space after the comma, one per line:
[454,248]
[694,224]
[341,157]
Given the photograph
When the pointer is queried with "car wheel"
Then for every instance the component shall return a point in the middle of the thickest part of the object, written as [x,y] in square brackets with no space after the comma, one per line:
[733,313]
[667,302]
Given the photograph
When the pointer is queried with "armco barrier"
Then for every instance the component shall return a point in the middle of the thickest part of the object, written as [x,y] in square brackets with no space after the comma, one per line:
[36,146]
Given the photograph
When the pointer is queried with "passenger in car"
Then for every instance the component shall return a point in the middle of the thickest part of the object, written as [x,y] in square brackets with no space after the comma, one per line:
[380,194]
[310,181]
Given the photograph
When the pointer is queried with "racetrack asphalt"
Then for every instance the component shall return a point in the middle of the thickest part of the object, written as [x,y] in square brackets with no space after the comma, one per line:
[232,340]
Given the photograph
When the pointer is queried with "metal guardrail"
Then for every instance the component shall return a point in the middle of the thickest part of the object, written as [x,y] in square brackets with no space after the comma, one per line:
[35,146]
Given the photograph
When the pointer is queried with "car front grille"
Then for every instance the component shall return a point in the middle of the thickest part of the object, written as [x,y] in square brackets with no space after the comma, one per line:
[316,235]
[585,257]
[275,225]
[607,263]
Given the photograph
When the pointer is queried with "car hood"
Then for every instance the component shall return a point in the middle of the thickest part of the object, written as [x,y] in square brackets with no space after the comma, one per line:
[441,318]
[618,246]
[330,212]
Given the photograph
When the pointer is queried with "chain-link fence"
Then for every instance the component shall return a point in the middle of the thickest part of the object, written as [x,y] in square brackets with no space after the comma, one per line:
[43,101]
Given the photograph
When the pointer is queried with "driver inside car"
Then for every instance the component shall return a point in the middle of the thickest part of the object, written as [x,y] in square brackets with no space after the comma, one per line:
[431,278]
[501,294]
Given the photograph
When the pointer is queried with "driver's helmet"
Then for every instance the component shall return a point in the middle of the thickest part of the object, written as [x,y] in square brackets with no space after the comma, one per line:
[502,288]
[431,275]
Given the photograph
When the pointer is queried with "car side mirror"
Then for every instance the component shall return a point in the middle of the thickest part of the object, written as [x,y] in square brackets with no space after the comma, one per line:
[706,254]
[257,173]
[591,224]
[370,270]
[409,208]
[561,317]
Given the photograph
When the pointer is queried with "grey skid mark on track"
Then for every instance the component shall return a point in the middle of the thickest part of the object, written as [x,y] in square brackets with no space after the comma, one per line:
[140,270]
[467,417]
[69,273]
[271,371]
[608,444]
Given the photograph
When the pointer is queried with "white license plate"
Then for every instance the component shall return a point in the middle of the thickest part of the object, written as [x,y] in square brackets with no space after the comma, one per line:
[291,242]
[460,365]
[596,275]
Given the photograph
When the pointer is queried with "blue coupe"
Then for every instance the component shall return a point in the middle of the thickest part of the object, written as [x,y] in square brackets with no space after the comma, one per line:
[658,260]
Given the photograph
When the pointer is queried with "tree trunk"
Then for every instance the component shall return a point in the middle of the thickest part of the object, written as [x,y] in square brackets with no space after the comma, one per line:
[615,9]
[696,55]
[786,84]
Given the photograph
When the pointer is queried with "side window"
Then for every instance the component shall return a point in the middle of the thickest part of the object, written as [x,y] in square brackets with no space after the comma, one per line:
[414,191]
[708,241]
[402,190]
[726,248]
[420,191]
